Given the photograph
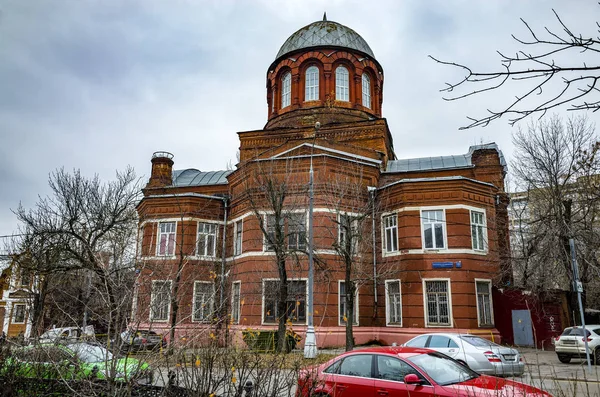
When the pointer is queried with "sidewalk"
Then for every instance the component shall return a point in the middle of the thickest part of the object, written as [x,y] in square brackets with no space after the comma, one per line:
[543,364]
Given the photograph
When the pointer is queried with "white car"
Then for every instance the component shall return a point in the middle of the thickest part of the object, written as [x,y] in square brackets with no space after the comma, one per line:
[479,354]
[571,344]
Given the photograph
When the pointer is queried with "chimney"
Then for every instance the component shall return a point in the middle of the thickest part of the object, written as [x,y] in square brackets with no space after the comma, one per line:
[162,170]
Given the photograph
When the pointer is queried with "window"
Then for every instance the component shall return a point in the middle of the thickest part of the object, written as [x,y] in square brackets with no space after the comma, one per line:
[160,300]
[357,365]
[204,293]
[343,308]
[166,238]
[484,302]
[477,230]
[18,314]
[390,224]
[437,302]
[439,341]
[295,303]
[235,302]
[296,231]
[312,84]
[207,239]
[237,247]
[366,90]
[393,302]
[286,89]
[419,341]
[348,226]
[390,368]
[433,229]
[24,277]
[341,84]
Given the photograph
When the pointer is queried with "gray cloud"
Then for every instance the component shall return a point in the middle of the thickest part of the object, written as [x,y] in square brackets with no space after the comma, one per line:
[98,85]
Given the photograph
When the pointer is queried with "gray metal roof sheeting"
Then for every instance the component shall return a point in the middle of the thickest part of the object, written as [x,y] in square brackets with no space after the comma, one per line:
[194,177]
[442,162]
[327,34]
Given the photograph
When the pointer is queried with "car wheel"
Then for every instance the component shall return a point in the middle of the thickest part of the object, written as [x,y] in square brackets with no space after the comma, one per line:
[564,358]
[596,356]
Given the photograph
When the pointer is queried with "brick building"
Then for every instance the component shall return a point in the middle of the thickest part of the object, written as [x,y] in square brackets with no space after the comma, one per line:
[431,235]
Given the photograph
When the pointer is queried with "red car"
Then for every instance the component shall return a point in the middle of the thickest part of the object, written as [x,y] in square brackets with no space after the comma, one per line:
[400,372]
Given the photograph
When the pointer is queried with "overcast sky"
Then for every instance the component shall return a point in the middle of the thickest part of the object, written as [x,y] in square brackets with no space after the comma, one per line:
[99,85]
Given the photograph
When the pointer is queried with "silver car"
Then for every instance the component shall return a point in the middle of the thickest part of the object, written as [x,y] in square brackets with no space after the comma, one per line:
[479,354]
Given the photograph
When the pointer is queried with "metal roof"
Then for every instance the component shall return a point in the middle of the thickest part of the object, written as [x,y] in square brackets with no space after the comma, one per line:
[325,33]
[442,162]
[194,177]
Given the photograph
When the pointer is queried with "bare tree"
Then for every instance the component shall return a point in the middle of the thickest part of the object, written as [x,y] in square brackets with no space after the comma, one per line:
[557,203]
[548,56]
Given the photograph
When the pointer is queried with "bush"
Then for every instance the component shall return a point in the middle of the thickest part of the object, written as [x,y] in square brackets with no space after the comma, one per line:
[266,340]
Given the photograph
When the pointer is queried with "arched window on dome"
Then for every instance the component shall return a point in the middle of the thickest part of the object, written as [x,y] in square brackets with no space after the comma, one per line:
[286,90]
[312,84]
[341,84]
[366,90]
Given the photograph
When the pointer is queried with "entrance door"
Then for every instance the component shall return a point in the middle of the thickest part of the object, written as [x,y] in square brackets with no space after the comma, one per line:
[522,331]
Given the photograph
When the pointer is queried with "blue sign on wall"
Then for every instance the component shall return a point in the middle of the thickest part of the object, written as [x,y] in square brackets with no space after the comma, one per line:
[443,265]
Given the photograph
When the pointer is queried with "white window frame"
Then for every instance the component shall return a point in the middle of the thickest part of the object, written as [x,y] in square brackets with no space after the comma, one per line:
[479,228]
[444,229]
[159,233]
[14,313]
[342,84]
[262,309]
[489,283]
[237,284]
[388,304]
[286,90]
[356,305]
[384,229]
[311,85]
[205,236]
[366,90]
[300,240]
[238,237]
[285,218]
[425,307]
[353,230]
[152,297]
[210,301]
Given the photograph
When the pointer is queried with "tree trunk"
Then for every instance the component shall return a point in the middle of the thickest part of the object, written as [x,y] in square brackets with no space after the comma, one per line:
[349,309]
[282,315]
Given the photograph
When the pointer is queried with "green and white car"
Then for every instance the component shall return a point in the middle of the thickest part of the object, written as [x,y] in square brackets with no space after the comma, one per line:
[78,361]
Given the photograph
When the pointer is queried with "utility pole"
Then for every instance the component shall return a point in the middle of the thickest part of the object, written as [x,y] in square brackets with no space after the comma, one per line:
[578,286]
[310,344]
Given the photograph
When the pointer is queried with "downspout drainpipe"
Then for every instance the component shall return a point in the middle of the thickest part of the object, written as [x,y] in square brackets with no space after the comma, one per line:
[223,253]
[372,191]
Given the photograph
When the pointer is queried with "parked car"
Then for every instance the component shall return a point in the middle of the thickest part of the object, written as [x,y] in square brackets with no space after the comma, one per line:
[479,354]
[141,340]
[78,361]
[571,343]
[403,372]
[66,334]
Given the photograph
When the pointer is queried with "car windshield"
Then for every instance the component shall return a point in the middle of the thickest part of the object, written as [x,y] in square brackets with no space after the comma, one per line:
[477,341]
[443,370]
[90,353]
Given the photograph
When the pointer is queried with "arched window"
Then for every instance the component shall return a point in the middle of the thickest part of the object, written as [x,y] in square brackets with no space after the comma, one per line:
[366,90]
[286,90]
[341,84]
[312,84]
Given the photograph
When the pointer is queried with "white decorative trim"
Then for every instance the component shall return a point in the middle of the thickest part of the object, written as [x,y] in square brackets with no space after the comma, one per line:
[425,311]
[326,149]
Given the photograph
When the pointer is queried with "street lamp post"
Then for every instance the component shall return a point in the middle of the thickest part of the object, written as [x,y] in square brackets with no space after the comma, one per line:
[310,344]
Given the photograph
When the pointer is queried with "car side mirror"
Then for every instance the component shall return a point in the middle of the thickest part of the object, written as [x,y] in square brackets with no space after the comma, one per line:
[412,379]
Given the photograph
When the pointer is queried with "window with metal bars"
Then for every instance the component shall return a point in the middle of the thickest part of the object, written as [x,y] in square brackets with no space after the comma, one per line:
[312,84]
[390,225]
[204,293]
[438,305]
[160,300]
[394,302]
[484,302]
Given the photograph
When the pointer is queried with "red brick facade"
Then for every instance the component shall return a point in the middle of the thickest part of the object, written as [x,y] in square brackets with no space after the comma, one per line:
[439,223]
